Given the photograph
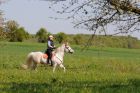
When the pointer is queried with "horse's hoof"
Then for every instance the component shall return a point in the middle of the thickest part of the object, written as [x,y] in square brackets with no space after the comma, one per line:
[24,66]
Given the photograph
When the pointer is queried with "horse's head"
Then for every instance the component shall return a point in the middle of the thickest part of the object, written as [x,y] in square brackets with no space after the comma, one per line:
[68,49]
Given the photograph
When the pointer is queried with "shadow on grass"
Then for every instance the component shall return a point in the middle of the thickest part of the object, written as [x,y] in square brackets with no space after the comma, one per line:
[58,86]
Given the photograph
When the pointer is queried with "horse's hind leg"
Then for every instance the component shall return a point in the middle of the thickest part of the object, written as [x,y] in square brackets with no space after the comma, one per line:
[34,66]
[62,66]
[28,62]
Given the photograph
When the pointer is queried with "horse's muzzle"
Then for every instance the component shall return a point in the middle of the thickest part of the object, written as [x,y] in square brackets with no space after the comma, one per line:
[71,52]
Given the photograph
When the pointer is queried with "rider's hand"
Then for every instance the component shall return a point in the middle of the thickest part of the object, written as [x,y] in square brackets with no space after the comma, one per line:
[54,47]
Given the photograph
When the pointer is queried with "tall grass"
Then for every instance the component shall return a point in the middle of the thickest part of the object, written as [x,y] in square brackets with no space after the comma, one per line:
[95,70]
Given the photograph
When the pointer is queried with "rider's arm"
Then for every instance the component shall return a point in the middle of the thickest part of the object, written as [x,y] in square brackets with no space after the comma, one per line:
[49,44]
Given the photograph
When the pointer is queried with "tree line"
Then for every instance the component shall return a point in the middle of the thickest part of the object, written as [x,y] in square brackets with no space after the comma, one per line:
[12,32]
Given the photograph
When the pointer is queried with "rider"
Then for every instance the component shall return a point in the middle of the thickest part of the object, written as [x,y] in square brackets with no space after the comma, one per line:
[50,48]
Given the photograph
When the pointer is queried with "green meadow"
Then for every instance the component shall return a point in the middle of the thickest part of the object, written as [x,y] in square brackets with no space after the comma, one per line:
[94,70]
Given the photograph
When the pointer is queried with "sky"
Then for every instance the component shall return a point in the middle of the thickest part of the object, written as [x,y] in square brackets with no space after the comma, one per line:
[34,14]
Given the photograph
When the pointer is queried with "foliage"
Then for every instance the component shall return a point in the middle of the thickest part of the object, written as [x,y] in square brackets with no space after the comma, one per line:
[11,27]
[15,33]
[78,39]
[2,33]
[21,34]
[117,41]
[61,37]
[105,41]
[42,35]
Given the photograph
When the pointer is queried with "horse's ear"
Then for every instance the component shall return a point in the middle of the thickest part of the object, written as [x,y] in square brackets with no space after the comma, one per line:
[62,42]
[66,43]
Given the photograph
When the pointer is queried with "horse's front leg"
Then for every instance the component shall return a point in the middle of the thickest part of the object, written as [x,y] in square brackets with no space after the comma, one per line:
[54,67]
[62,66]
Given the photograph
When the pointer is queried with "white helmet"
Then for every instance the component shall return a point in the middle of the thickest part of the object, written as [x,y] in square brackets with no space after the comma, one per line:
[50,36]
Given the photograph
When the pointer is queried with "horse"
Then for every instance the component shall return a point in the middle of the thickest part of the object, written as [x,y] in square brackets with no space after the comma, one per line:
[35,58]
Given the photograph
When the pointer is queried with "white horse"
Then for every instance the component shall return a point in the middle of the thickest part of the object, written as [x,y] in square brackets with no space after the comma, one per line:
[35,58]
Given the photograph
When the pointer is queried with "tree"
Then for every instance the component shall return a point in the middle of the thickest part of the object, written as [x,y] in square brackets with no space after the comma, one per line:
[61,37]
[42,35]
[2,33]
[11,28]
[21,34]
[15,33]
[97,15]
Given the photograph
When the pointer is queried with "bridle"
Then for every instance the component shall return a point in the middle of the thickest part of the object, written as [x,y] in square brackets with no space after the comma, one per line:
[67,47]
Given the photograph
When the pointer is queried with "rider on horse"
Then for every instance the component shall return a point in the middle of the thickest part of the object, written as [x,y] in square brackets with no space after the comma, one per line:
[50,48]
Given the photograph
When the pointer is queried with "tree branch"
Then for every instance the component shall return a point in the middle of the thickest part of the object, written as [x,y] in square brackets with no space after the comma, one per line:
[125,5]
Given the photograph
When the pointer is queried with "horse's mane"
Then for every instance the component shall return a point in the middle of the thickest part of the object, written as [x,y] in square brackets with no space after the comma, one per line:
[58,49]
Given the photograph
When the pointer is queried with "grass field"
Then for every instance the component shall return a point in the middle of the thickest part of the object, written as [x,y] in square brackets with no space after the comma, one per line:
[95,70]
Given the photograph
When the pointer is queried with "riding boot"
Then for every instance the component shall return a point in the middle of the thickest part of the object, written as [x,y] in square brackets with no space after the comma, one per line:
[48,61]
[51,63]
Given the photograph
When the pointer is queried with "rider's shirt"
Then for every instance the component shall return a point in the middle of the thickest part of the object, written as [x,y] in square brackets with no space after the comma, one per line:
[50,44]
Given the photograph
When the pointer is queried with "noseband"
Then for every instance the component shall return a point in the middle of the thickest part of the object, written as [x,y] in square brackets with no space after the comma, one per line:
[67,47]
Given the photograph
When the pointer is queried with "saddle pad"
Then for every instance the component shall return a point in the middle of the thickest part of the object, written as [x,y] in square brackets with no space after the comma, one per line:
[45,56]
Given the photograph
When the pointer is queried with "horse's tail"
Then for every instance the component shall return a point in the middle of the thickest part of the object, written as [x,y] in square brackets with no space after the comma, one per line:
[28,62]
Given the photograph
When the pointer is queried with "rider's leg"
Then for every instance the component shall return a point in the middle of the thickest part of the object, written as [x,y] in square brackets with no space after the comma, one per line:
[51,59]
[49,55]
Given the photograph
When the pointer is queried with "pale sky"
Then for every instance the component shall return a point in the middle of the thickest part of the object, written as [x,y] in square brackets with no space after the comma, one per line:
[34,14]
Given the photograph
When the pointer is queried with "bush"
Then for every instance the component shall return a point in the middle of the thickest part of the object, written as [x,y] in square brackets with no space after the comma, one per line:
[42,35]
